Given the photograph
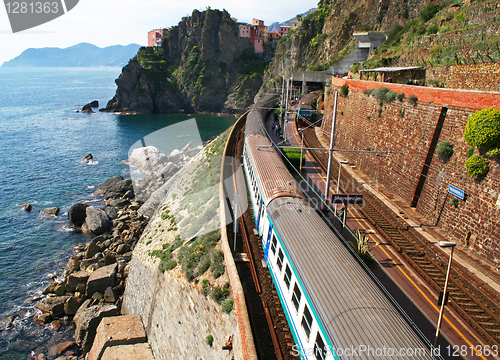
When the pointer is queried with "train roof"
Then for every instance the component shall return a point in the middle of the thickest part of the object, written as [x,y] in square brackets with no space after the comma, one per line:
[350,306]
[272,175]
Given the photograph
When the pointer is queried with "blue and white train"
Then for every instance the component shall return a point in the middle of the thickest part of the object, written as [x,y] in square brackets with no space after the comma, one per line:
[333,307]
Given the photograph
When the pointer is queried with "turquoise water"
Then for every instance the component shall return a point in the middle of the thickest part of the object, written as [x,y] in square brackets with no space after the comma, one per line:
[43,140]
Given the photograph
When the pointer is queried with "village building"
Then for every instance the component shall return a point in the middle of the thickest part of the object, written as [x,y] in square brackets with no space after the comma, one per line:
[155,37]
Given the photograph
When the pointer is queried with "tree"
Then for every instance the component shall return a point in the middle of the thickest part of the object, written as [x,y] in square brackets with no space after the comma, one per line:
[483,129]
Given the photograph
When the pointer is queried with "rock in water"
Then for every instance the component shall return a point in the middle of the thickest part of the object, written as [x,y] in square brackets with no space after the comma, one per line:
[101,279]
[51,211]
[94,104]
[105,185]
[97,221]
[28,207]
[87,109]
[88,157]
[77,215]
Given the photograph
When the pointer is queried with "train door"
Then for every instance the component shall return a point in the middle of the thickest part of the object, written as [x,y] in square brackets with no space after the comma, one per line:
[261,207]
[268,241]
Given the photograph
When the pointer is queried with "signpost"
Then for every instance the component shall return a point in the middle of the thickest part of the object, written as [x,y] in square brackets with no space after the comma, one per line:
[347,199]
[456,191]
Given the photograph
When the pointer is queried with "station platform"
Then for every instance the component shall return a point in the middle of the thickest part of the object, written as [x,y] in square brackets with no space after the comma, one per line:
[407,287]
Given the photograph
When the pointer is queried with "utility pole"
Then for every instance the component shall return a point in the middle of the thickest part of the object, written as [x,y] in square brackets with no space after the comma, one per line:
[332,140]
[286,108]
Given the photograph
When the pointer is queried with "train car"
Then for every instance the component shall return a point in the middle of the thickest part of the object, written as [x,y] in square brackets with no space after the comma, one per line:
[333,307]
[304,115]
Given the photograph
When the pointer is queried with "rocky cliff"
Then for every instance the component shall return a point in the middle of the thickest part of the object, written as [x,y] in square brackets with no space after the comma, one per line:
[201,63]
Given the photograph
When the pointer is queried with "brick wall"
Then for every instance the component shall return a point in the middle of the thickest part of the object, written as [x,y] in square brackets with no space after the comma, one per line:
[467,77]
[364,124]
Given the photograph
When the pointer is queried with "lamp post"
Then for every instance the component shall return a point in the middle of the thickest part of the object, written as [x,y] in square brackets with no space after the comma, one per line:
[341,162]
[444,244]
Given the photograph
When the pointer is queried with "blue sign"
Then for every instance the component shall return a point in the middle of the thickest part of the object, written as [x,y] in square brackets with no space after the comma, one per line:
[347,199]
[456,191]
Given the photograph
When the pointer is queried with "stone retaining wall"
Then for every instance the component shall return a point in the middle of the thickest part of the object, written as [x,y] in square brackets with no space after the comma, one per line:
[400,126]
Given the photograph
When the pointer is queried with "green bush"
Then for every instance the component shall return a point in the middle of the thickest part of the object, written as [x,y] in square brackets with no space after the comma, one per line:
[400,96]
[494,153]
[430,11]
[483,129]
[470,151]
[344,90]
[433,29]
[227,306]
[445,151]
[293,156]
[477,167]
[412,99]
[390,96]
[209,340]
[380,93]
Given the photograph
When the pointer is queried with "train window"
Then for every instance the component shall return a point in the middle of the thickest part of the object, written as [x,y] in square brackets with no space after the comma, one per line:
[307,321]
[280,259]
[274,243]
[288,276]
[297,294]
[320,348]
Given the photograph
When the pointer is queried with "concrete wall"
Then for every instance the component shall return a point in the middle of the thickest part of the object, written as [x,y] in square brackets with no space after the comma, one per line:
[364,124]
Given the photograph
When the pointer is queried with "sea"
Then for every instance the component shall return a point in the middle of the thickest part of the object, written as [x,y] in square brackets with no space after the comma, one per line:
[43,140]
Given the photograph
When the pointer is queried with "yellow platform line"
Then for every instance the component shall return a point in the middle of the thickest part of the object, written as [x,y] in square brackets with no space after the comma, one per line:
[404,272]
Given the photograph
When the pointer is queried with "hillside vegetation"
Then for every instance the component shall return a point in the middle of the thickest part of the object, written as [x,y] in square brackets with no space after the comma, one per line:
[428,33]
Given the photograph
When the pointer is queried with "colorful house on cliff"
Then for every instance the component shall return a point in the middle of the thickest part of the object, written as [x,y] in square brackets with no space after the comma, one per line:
[155,37]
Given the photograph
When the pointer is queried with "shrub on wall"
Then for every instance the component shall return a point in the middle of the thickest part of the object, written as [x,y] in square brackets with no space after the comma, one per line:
[477,167]
[344,90]
[470,151]
[483,129]
[445,151]
[412,99]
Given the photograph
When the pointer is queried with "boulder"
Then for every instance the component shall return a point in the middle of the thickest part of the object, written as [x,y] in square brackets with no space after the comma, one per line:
[87,319]
[72,304]
[51,211]
[145,157]
[27,207]
[110,295]
[73,264]
[91,249]
[61,348]
[175,156]
[168,170]
[94,104]
[76,278]
[105,185]
[111,211]
[97,221]
[50,288]
[101,279]
[77,214]
[88,157]
[87,109]
[118,189]
[119,203]
[53,305]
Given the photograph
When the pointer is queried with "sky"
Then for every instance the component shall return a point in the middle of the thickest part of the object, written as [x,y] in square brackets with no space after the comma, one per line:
[122,22]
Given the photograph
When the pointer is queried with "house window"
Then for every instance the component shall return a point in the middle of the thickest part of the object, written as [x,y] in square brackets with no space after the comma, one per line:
[297,294]
[280,259]
[288,276]
[319,348]
[307,321]
[274,243]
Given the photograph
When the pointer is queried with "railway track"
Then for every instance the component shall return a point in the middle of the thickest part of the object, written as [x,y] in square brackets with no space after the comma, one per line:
[478,309]
[270,328]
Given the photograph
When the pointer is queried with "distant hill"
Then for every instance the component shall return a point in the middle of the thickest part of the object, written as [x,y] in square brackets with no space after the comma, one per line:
[276,25]
[83,54]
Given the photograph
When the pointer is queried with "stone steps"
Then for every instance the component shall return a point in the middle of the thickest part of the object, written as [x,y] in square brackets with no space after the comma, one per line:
[120,337]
